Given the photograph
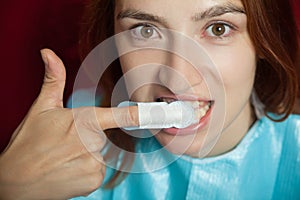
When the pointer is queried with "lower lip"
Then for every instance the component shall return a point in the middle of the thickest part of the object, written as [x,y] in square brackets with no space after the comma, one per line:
[193,129]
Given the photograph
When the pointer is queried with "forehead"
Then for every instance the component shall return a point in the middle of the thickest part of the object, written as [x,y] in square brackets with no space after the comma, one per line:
[173,7]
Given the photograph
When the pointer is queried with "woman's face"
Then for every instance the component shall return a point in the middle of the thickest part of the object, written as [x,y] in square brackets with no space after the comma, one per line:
[219,27]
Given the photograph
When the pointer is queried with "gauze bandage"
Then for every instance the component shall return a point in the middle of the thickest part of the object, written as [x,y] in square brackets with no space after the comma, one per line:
[158,115]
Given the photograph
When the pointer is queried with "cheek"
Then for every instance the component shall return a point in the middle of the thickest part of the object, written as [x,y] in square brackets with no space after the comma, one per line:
[237,68]
[140,58]
[127,62]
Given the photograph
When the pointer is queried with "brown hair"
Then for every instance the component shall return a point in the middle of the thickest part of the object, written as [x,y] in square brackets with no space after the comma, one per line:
[272,29]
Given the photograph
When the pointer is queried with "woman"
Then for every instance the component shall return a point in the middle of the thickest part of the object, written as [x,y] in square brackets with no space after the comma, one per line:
[253,156]
[254,48]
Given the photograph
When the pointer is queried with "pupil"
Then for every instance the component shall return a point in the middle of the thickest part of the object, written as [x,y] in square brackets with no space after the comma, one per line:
[218,29]
[147,32]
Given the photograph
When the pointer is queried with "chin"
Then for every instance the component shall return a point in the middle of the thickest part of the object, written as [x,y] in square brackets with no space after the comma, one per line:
[189,145]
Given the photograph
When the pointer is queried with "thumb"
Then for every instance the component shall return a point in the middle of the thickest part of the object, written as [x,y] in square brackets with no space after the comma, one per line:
[51,95]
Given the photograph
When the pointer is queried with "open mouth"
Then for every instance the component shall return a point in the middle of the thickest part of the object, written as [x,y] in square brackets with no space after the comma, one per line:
[202,110]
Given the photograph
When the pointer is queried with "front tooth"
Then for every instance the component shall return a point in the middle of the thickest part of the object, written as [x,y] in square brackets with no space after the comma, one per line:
[201,112]
[201,103]
[206,107]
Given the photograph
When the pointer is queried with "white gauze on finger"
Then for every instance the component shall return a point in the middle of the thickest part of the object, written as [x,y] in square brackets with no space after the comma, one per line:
[158,115]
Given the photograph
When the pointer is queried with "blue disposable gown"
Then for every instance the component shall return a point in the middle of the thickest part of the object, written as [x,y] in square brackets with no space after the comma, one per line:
[264,165]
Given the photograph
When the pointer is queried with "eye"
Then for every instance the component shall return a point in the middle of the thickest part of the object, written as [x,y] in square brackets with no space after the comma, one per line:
[145,31]
[219,30]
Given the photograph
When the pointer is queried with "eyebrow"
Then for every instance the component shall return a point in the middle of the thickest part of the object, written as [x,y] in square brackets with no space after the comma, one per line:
[209,13]
[216,11]
[139,15]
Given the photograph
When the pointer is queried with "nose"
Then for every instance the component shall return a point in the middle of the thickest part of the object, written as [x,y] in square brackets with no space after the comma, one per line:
[179,75]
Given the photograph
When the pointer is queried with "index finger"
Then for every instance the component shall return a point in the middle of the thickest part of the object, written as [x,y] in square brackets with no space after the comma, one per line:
[150,115]
[109,118]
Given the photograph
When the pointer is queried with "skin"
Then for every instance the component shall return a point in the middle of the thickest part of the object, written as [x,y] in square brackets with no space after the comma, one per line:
[232,54]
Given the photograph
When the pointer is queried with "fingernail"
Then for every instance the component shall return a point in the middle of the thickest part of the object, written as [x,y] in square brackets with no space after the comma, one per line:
[44,57]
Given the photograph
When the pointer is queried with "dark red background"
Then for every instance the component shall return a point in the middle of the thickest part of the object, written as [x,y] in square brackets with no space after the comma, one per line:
[26,27]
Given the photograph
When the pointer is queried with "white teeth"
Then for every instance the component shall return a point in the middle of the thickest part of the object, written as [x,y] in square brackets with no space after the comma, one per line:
[201,103]
[200,107]
[206,107]
[201,112]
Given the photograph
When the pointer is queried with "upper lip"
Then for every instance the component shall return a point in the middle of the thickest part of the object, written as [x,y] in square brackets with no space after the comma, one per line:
[182,97]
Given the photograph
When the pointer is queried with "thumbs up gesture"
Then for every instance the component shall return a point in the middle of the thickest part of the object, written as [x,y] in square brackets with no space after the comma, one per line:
[49,157]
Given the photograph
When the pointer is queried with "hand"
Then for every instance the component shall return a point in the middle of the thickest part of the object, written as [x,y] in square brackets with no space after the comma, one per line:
[48,156]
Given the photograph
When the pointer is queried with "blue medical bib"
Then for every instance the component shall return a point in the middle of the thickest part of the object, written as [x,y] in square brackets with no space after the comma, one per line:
[264,165]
